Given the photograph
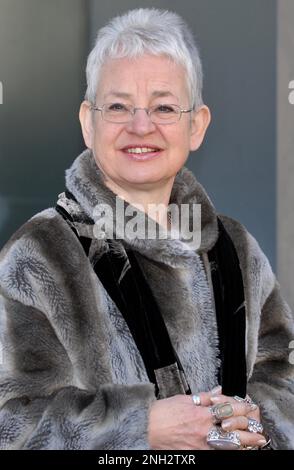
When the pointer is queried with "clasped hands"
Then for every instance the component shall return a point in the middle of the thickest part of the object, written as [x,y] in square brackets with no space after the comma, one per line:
[183,422]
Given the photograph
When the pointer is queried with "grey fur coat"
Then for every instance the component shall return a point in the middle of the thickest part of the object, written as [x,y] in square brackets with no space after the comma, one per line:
[71,376]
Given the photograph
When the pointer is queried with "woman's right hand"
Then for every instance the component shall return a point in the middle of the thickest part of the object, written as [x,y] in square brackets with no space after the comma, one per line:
[176,423]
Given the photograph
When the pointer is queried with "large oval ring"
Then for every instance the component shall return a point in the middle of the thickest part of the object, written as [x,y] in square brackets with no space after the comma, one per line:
[196,400]
[221,411]
[219,439]
[254,426]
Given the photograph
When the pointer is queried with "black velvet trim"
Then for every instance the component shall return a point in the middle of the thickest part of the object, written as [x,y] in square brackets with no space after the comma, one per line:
[64,214]
[230,311]
[136,302]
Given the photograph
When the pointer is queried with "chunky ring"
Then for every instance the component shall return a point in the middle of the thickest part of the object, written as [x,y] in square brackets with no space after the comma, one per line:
[221,411]
[254,426]
[196,400]
[217,438]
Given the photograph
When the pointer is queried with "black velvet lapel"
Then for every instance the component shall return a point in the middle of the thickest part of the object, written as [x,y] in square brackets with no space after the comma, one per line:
[230,311]
[135,300]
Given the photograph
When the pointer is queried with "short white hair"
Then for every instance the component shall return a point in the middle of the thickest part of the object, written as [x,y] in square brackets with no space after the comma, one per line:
[151,31]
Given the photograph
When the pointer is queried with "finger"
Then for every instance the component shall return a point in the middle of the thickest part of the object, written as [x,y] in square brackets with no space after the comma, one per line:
[203,398]
[254,414]
[240,408]
[234,423]
[220,398]
[216,391]
[222,411]
[251,439]
[223,398]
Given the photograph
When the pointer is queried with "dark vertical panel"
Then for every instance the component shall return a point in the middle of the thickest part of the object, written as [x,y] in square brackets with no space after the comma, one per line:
[42,55]
[237,163]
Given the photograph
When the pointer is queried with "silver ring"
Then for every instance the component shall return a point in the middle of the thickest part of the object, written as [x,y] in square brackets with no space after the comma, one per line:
[254,426]
[239,399]
[196,400]
[221,411]
[247,399]
[217,438]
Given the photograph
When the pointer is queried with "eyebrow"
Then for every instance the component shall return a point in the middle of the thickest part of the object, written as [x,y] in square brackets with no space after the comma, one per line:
[154,94]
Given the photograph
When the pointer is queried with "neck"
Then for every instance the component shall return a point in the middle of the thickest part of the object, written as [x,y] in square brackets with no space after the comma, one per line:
[153,200]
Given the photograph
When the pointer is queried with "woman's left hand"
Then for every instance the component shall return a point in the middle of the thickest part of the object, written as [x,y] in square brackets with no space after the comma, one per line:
[240,423]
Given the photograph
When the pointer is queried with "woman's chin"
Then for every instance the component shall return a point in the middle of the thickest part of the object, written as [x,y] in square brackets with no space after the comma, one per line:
[147,175]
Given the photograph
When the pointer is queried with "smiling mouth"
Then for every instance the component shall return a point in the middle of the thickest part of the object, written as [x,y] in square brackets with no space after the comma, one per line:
[141,153]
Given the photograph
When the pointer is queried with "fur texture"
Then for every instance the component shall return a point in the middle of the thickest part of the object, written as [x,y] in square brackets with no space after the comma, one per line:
[72,377]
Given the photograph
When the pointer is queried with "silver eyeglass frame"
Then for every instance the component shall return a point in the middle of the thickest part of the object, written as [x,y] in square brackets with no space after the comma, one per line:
[133,110]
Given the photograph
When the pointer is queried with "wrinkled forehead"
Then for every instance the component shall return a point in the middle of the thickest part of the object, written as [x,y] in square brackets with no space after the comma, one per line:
[148,75]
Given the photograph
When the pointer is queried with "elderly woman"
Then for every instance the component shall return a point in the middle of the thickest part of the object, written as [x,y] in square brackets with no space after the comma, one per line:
[115,340]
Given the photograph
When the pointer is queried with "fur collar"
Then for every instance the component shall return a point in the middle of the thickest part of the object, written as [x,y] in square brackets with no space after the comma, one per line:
[85,181]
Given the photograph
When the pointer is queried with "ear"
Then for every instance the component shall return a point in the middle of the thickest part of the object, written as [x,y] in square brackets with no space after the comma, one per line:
[200,122]
[86,120]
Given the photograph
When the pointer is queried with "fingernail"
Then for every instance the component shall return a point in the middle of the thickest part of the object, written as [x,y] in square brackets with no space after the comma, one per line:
[226,424]
[215,399]
[216,390]
[261,442]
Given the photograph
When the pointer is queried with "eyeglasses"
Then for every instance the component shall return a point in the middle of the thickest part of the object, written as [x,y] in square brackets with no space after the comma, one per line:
[119,113]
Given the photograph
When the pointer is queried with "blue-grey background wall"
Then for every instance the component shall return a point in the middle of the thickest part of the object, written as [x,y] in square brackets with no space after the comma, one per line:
[43,48]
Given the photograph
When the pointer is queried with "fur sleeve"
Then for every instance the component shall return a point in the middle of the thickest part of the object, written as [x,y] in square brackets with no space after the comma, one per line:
[53,393]
[272,381]
[41,409]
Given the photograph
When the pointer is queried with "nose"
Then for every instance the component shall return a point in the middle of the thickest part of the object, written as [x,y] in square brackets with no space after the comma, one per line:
[141,123]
